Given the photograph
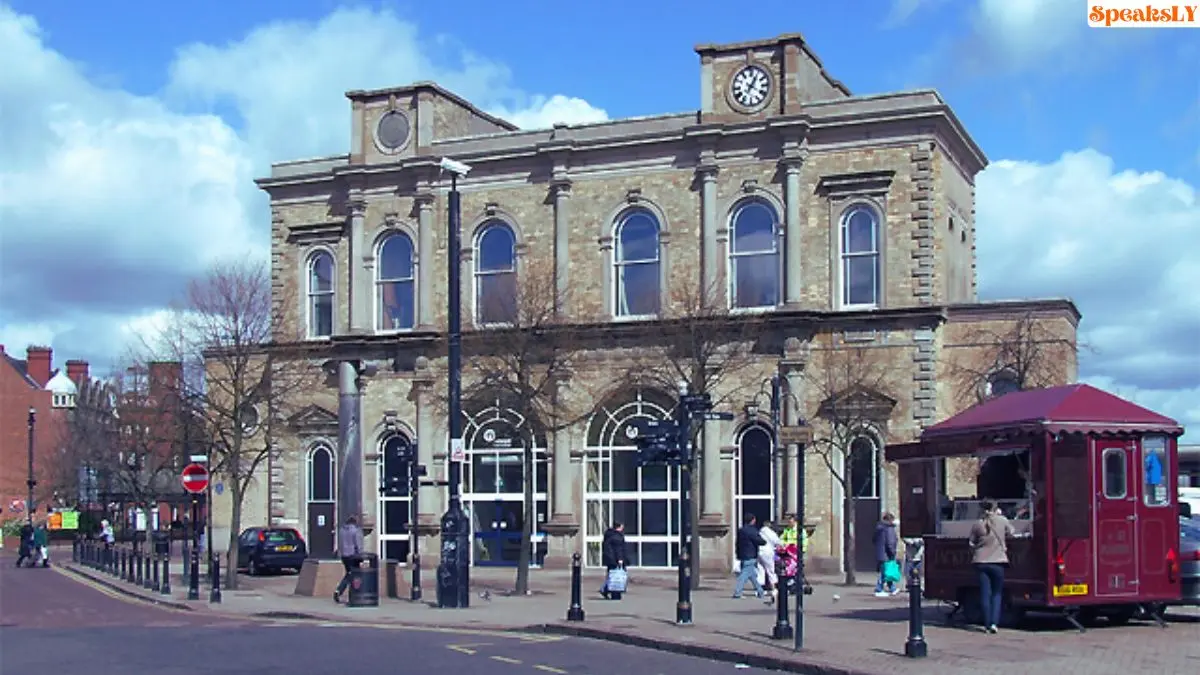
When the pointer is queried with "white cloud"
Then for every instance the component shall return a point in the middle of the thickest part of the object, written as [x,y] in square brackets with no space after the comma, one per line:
[111,201]
[1123,245]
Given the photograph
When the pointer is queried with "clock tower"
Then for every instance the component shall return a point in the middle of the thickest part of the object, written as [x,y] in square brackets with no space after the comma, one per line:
[763,78]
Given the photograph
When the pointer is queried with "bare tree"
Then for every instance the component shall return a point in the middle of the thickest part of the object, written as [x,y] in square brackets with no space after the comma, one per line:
[852,385]
[522,364]
[87,443]
[239,382]
[704,345]
[994,360]
[1023,354]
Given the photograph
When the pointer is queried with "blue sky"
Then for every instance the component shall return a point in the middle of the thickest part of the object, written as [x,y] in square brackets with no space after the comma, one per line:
[159,115]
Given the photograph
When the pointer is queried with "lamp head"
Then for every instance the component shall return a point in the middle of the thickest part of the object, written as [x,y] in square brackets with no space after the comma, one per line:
[455,167]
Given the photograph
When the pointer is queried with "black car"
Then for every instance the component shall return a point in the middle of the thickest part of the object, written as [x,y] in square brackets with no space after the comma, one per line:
[1189,560]
[266,549]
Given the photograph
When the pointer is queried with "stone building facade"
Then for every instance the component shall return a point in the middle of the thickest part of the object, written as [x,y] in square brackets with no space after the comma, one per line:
[837,223]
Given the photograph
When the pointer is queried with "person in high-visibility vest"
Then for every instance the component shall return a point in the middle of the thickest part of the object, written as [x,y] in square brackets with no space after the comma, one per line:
[792,533]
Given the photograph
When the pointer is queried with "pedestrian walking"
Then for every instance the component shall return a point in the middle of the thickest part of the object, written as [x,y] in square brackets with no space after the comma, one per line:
[41,544]
[768,577]
[350,547]
[25,549]
[794,535]
[746,548]
[989,553]
[886,542]
[613,557]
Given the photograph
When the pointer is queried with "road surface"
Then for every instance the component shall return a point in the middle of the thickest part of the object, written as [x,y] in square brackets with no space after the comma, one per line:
[50,622]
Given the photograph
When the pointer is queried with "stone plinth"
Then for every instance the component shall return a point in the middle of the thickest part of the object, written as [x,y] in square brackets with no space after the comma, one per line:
[319,578]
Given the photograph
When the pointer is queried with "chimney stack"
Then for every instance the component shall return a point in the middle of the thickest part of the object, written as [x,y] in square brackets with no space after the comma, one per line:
[77,370]
[37,364]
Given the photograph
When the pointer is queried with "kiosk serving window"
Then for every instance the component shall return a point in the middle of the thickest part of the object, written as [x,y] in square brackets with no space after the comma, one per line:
[1155,470]
[1006,477]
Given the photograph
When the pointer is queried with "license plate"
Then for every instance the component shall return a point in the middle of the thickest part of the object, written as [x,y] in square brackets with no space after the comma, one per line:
[285,548]
[1067,590]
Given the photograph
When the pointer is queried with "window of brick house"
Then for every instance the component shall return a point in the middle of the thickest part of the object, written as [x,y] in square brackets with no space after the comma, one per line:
[395,283]
[495,274]
[860,257]
[637,259]
[320,294]
[754,255]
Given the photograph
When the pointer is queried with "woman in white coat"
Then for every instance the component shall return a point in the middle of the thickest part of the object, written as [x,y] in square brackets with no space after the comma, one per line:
[766,562]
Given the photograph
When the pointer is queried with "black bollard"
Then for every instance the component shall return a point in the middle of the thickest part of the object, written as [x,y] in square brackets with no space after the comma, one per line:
[147,562]
[783,627]
[915,647]
[194,574]
[138,579]
[75,550]
[124,562]
[215,594]
[575,611]
[165,589]
[157,583]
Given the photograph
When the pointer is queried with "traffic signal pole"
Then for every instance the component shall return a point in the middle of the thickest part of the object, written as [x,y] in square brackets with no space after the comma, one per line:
[683,606]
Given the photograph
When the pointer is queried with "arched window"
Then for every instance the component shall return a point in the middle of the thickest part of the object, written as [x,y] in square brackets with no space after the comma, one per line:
[860,257]
[320,294]
[618,490]
[495,274]
[637,274]
[755,474]
[394,283]
[754,255]
[320,474]
[865,481]
[1001,383]
[395,504]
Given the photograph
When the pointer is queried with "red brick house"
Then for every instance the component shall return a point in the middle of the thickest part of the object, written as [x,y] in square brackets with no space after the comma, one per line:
[33,384]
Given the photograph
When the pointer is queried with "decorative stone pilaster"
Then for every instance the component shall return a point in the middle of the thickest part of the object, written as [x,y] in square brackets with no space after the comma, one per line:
[711,259]
[561,190]
[791,369]
[714,521]
[425,251]
[921,198]
[429,516]
[792,162]
[278,483]
[924,405]
[358,278]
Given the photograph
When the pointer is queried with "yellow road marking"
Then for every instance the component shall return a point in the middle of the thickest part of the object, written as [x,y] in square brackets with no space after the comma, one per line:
[505,659]
[551,669]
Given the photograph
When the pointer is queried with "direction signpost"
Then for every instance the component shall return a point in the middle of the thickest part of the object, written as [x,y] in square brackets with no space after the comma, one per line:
[195,480]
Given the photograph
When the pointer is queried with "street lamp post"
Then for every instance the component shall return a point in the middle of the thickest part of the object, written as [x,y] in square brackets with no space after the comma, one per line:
[31,482]
[453,588]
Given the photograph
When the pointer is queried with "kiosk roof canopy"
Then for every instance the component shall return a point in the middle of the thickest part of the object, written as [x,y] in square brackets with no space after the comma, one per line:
[1070,408]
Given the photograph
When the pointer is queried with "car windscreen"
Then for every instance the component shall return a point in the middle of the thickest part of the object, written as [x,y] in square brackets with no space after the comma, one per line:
[1189,531]
[279,536]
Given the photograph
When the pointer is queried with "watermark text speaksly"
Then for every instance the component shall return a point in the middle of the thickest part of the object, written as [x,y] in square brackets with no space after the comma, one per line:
[1142,14]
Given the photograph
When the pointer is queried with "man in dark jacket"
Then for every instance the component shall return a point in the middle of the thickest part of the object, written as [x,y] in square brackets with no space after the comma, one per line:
[885,540]
[746,548]
[612,553]
[26,547]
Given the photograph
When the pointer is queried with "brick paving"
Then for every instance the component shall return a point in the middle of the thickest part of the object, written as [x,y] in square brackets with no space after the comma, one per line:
[847,629]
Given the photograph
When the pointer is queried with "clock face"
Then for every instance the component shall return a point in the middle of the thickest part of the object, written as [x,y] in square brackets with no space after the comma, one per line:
[751,86]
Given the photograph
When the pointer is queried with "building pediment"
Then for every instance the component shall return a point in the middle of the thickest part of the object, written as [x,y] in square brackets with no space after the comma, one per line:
[314,419]
[858,403]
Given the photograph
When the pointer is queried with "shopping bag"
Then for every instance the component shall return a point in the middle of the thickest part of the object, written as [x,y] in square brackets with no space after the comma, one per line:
[618,579]
[891,571]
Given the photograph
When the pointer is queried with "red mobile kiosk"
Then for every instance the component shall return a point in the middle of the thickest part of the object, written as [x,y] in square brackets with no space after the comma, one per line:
[1087,480]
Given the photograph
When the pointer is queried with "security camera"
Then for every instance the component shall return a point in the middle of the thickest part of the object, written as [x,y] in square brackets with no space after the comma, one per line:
[457,168]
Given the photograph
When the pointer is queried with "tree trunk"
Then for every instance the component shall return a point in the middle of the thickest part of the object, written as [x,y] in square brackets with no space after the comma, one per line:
[848,544]
[527,521]
[695,526]
[235,528]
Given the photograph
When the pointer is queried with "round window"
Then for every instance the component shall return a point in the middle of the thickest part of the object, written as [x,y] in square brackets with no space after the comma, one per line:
[392,132]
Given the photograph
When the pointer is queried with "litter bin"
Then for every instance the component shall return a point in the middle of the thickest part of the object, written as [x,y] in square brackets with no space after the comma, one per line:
[364,582]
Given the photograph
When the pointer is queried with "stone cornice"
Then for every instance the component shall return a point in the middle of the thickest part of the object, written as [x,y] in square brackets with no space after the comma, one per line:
[927,113]
[853,184]
[999,310]
[316,233]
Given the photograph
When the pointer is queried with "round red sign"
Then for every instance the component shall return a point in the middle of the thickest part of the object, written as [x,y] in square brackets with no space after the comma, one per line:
[195,478]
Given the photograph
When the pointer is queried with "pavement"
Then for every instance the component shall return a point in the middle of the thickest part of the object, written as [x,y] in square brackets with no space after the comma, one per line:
[55,621]
[847,630]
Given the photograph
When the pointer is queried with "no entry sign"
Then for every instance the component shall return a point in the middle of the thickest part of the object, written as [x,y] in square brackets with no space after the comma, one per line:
[195,478]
